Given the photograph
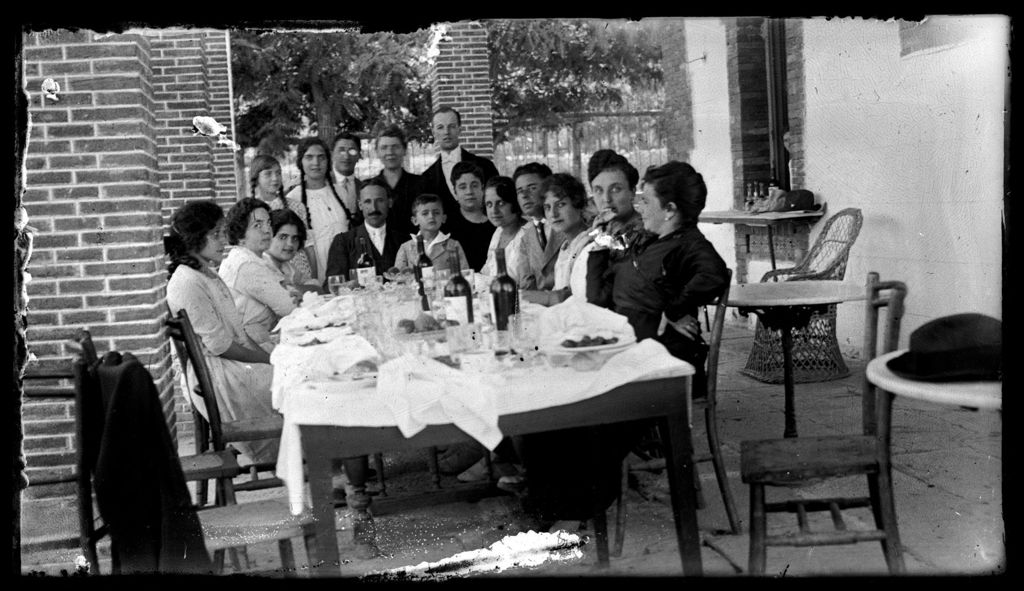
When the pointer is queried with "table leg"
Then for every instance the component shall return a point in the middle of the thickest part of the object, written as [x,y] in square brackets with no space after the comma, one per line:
[787,377]
[675,432]
[325,563]
[771,247]
[599,518]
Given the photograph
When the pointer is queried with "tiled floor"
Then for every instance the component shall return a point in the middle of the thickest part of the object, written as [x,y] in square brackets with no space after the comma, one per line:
[948,482]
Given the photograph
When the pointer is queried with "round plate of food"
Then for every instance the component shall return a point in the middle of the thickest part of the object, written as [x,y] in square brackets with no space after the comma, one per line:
[592,343]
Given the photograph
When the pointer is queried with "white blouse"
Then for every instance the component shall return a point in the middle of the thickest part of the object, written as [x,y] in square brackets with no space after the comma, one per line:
[568,255]
[513,254]
[328,220]
[257,292]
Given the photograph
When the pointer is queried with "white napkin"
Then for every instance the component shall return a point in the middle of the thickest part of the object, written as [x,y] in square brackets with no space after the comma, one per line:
[574,318]
[294,364]
[420,391]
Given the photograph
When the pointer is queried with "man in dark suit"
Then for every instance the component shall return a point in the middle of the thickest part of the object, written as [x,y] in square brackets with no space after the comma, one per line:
[405,186]
[447,127]
[380,235]
[345,153]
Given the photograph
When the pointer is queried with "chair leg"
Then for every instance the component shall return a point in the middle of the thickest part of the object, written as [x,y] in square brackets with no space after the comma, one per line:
[309,540]
[489,462]
[599,519]
[218,562]
[620,512]
[435,471]
[284,548]
[758,531]
[201,493]
[239,559]
[883,505]
[378,465]
[711,426]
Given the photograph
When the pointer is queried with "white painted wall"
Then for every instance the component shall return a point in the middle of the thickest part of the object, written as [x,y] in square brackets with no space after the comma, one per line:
[711,155]
[916,142]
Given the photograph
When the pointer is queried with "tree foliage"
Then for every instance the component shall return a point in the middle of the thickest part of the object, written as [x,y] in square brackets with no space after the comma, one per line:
[287,83]
[544,70]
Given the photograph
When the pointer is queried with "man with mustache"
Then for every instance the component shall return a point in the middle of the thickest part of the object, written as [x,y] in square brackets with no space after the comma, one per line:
[447,127]
[383,239]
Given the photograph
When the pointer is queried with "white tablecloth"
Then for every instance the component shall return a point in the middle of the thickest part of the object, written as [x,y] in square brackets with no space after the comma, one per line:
[357,404]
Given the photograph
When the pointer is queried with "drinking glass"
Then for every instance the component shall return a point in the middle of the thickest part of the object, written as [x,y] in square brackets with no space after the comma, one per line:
[334,283]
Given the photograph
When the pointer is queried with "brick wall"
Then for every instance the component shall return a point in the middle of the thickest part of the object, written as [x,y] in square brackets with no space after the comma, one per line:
[678,115]
[460,79]
[97,162]
[748,110]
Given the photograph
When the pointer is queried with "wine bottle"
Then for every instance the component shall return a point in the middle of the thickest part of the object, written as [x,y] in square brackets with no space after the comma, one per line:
[366,270]
[458,295]
[424,272]
[504,293]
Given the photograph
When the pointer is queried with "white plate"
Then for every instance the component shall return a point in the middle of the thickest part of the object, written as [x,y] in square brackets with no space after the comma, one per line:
[622,344]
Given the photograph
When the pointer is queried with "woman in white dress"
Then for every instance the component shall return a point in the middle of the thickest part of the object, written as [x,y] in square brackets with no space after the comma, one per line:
[259,294]
[267,184]
[323,211]
[504,212]
[240,369]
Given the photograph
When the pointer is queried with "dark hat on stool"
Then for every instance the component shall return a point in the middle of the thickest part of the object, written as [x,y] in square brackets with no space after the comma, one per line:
[961,347]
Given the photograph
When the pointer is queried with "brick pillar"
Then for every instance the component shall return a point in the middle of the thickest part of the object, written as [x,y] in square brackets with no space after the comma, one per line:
[93,194]
[460,78]
[678,116]
[190,77]
[748,114]
[795,99]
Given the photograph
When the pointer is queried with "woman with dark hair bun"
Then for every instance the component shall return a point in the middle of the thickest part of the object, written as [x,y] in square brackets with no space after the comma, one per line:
[669,271]
[321,209]
[240,369]
[259,296]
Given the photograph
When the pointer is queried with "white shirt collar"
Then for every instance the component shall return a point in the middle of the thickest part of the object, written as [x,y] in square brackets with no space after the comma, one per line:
[441,237]
[381,231]
[455,155]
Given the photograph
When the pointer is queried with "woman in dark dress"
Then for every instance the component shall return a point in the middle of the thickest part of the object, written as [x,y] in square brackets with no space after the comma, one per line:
[669,270]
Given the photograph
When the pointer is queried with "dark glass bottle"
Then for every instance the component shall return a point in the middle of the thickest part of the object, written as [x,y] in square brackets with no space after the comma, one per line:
[504,293]
[458,295]
[366,270]
[424,272]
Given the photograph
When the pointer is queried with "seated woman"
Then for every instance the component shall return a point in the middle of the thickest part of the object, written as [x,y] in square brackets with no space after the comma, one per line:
[565,207]
[240,369]
[503,211]
[670,271]
[613,183]
[257,290]
[289,237]
[267,185]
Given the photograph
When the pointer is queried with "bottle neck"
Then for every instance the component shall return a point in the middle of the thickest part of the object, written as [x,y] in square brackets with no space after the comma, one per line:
[499,259]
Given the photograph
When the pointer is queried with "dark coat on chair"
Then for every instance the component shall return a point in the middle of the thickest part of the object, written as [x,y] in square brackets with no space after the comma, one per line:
[345,250]
[434,181]
[140,487]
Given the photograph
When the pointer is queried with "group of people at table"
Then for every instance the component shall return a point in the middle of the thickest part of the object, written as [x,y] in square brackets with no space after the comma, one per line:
[657,271]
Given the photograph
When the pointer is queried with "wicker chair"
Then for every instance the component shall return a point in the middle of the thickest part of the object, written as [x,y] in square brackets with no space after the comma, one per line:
[816,355]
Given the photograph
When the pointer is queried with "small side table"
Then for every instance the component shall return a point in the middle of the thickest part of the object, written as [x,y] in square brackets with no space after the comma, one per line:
[973,395]
[788,305]
[766,220]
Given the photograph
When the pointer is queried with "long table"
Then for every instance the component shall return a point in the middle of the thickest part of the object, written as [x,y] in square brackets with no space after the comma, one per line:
[660,396]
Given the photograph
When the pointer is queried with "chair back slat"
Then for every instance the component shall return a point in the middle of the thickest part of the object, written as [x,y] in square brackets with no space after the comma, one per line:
[715,339]
[184,336]
[88,431]
[876,405]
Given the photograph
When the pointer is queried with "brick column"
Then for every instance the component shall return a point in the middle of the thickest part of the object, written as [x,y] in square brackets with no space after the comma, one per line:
[748,113]
[460,79]
[93,194]
[190,77]
[678,116]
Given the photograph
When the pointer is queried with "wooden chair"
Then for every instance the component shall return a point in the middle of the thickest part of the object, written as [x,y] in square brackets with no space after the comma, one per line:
[714,453]
[816,354]
[200,467]
[785,462]
[224,527]
[210,430]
